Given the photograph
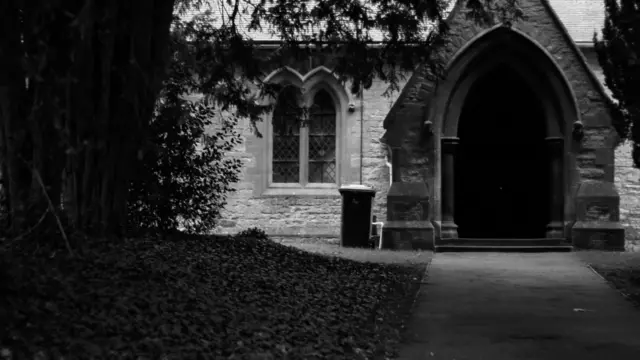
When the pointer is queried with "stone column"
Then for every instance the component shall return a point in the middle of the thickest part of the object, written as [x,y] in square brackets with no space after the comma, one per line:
[449,229]
[555,150]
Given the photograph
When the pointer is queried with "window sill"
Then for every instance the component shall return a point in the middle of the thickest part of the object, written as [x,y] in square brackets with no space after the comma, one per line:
[303,192]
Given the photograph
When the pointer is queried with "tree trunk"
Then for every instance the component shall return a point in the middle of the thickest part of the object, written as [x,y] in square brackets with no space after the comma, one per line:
[92,82]
[129,64]
[13,127]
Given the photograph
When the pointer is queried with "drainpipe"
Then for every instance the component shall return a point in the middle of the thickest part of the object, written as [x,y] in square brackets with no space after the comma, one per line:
[381,225]
[395,160]
[375,223]
[387,161]
[361,131]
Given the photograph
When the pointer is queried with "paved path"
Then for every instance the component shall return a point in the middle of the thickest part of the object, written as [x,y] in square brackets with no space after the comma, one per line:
[502,306]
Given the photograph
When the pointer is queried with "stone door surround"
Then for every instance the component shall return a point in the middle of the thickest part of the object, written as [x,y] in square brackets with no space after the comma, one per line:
[555,228]
[492,49]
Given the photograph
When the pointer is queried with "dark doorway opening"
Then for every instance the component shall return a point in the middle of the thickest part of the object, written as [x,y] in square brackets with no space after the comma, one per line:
[501,167]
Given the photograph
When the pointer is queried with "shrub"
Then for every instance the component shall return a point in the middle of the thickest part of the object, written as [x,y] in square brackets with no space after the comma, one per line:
[185,175]
[254,233]
[179,184]
[200,297]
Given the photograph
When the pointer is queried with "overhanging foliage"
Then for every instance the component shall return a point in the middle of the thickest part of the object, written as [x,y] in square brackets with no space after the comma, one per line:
[618,54]
[78,127]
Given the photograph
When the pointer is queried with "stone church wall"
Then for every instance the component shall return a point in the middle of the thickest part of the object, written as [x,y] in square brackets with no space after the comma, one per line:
[628,185]
[627,178]
[309,215]
[313,215]
[321,215]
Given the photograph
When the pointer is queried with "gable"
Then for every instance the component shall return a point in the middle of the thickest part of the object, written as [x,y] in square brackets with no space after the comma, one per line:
[545,29]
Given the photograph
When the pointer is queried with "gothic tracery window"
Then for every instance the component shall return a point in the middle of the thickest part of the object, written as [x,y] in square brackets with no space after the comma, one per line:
[322,140]
[304,153]
[286,138]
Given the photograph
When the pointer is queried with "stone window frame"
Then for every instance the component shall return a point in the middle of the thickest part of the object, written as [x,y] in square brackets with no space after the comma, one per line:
[308,101]
[319,78]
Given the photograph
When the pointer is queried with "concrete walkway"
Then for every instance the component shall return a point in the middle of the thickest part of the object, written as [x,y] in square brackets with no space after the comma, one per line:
[495,306]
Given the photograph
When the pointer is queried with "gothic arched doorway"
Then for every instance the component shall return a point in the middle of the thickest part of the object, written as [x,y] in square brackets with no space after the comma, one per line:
[501,162]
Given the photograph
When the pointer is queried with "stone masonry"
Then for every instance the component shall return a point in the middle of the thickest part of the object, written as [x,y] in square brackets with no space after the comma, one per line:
[628,185]
[420,98]
[314,215]
[320,215]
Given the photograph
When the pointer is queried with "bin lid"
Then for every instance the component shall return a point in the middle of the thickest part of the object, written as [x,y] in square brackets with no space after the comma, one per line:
[357,188]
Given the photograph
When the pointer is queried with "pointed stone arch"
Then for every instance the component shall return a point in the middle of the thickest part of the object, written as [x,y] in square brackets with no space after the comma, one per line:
[507,47]
[309,84]
[318,78]
[489,49]
[284,74]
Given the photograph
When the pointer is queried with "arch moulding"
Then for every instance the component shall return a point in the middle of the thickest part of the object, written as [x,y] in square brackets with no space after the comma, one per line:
[319,78]
[487,48]
[502,46]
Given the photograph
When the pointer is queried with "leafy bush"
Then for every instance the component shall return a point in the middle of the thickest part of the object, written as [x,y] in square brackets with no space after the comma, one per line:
[185,175]
[254,232]
[202,297]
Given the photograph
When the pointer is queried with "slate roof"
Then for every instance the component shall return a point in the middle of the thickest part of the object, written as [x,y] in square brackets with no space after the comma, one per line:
[580,17]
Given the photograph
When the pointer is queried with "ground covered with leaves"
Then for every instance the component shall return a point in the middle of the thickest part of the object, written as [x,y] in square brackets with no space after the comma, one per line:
[200,298]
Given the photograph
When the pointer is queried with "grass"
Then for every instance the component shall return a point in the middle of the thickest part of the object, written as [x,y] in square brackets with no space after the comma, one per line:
[205,297]
[331,247]
[621,269]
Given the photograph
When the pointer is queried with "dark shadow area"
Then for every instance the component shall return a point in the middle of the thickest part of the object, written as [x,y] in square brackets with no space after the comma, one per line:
[501,167]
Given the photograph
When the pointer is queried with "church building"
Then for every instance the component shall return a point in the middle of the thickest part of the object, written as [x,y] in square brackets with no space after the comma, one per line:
[516,142]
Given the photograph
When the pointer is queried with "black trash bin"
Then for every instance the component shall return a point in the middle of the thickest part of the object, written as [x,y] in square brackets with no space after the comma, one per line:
[357,204]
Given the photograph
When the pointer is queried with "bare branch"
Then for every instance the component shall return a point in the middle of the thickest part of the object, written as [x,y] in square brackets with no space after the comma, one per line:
[52,209]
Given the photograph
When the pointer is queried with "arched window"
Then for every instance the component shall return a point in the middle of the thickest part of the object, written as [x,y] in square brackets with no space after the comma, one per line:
[322,140]
[304,154]
[286,138]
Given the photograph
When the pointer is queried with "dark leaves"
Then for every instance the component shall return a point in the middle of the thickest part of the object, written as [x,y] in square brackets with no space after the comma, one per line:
[618,52]
[202,297]
[406,33]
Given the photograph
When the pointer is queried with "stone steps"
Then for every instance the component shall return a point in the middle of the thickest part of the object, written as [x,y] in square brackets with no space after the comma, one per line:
[503,245]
